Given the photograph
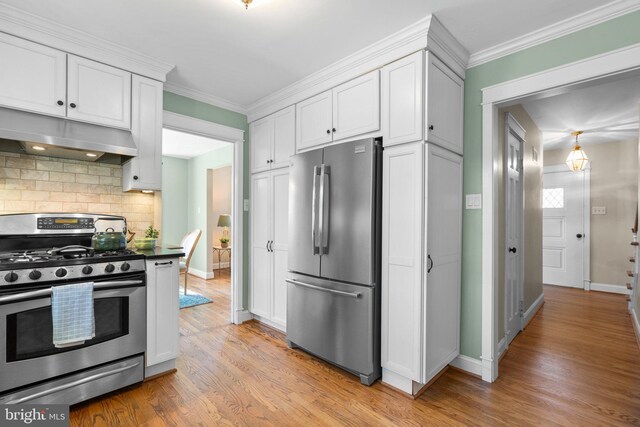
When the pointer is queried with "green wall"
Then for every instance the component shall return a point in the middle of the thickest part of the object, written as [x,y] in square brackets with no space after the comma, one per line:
[601,38]
[174,199]
[198,194]
[200,110]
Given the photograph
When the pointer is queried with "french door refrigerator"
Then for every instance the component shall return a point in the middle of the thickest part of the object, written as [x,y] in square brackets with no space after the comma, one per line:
[333,286]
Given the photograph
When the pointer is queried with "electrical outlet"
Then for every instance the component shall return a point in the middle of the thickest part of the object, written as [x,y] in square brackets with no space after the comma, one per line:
[246,205]
[598,210]
[474,201]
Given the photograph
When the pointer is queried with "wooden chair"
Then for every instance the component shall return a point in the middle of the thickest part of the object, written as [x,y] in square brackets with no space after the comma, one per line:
[188,243]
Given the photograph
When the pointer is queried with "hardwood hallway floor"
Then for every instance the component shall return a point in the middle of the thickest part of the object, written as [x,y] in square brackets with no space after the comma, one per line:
[577,363]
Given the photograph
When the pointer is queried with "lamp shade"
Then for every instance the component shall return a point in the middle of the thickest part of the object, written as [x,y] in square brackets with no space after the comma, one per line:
[577,159]
[224,221]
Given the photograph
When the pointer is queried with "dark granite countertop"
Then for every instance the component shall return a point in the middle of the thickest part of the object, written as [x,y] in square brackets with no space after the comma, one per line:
[161,252]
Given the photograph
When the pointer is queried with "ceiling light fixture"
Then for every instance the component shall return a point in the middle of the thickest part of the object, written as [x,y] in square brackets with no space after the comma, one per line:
[577,159]
[247,3]
[38,148]
[92,155]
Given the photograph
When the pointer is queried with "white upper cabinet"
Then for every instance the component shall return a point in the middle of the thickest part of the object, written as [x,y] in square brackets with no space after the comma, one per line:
[445,104]
[402,105]
[356,106]
[32,77]
[314,119]
[144,172]
[98,93]
[350,109]
[273,140]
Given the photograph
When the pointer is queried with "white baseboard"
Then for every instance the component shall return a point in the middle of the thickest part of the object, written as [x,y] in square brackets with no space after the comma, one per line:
[636,324]
[397,381]
[468,364]
[244,316]
[201,274]
[270,323]
[159,368]
[614,289]
[531,311]
[222,265]
[502,347]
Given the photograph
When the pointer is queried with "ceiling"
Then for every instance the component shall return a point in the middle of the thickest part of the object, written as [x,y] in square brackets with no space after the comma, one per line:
[225,51]
[606,112]
[186,145]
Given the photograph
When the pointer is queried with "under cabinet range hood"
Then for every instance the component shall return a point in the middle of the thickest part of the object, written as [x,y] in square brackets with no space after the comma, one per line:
[64,137]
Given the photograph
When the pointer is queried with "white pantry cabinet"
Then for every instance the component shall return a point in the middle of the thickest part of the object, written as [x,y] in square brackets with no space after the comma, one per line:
[144,172]
[269,237]
[421,256]
[163,306]
[273,140]
[98,93]
[32,77]
[350,109]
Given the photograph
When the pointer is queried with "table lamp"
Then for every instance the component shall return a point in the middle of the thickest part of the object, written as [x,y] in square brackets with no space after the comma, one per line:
[224,221]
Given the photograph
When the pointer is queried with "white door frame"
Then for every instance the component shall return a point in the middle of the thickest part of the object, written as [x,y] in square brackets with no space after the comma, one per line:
[191,125]
[586,218]
[580,72]
[511,126]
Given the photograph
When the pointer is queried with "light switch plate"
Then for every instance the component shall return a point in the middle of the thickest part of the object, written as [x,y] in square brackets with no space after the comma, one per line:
[599,210]
[474,201]
[246,205]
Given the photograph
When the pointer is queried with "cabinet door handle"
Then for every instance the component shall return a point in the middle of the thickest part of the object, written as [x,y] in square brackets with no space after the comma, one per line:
[333,129]
[72,105]
[430,264]
[328,132]
[135,177]
[164,263]
[60,103]
[431,127]
[271,245]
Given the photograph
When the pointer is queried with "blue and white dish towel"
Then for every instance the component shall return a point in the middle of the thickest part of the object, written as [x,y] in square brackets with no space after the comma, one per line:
[73,317]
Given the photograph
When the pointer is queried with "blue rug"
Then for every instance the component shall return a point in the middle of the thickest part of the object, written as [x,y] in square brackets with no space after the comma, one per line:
[192,299]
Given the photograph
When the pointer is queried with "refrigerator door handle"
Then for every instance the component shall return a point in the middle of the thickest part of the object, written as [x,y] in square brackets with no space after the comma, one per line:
[320,288]
[314,208]
[324,215]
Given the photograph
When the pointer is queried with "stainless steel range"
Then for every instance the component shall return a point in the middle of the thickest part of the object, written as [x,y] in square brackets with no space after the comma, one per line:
[37,253]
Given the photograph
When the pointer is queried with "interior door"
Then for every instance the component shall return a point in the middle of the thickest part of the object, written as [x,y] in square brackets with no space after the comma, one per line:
[347,197]
[513,235]
[304,176]
[260,239]
[563,229]
[280,190]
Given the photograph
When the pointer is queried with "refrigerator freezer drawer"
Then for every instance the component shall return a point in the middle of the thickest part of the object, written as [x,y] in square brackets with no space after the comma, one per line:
[335,322]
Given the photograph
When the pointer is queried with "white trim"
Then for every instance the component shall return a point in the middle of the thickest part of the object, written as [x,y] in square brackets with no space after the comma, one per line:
[502,346]
[41,30]
[397,381]
[636,324]
[159,368]
[611,288]
[467,364]
[532,310]
[206,275]
[614,62]
[269,323]
[220,266]
[236,136]
[426,33]
[562,28]
[243,316]
[205,97]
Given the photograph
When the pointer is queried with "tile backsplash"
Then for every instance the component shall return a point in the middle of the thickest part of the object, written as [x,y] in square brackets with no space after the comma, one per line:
[46,184]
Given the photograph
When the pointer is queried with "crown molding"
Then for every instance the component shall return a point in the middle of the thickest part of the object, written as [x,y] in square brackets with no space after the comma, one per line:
[554,31]
[44,31]
[207,98]
[426,33]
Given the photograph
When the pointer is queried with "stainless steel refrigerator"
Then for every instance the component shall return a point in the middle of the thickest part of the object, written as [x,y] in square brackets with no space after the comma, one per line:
[333,288]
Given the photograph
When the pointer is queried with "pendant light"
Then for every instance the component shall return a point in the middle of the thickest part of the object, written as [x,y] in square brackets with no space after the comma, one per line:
[247,3]
[577,159]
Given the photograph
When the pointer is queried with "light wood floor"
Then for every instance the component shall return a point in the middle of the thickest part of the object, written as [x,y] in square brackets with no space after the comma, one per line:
[577,363]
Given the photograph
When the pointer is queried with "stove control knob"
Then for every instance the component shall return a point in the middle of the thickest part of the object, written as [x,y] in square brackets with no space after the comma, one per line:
[125,266]
[110,268]
[11,277]
[61,272]
[35,275]
[87,269]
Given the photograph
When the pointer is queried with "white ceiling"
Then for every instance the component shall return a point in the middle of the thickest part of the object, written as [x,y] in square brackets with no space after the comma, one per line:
[243,55]
[606,112]
[185,145]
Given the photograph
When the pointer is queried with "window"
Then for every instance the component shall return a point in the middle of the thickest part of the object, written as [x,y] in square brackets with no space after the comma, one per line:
[553,198]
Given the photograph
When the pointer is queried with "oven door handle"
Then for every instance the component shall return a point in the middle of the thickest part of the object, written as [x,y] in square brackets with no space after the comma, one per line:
[47,292]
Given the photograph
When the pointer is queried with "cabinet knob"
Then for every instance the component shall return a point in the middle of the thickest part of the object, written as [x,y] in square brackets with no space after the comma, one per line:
[268,161]
[431,127]
[328,132]
[333,130]
[60,103]
[72,105]
[135,177]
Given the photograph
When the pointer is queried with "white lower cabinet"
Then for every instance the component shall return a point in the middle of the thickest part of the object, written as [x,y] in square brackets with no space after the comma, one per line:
[421,256]
[163,306]
[269,238]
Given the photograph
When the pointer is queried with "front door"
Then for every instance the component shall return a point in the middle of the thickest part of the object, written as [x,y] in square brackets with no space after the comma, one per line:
[513,231]
[563,228]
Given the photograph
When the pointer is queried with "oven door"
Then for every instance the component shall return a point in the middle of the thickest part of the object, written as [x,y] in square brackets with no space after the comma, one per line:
[27,353]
